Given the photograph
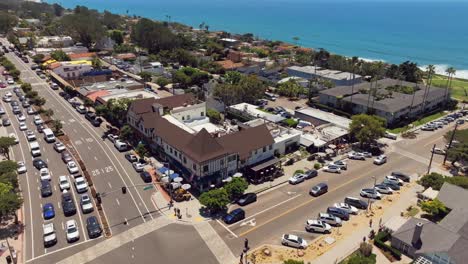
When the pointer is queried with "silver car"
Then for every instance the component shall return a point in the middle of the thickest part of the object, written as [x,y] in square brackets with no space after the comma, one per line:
[330,219]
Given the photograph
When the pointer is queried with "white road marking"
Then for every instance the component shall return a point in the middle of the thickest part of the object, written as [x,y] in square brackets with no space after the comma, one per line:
[110,186]
[95,158]
[63,226]
[225,227]
[89,147]
[58,204]
[117,200]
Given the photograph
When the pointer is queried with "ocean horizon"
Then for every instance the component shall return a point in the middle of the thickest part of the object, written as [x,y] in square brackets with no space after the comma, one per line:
[392,31]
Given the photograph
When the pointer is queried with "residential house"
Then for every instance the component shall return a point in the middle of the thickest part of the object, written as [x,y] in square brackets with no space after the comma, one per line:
[86,56]
[71,69]
[55,42]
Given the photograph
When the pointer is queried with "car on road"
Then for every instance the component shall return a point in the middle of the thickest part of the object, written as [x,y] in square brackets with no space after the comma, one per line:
[10,81]
[25,104]
[35,149]
[38,120]
[3,85]
[68,205]
[341,213]
[356,202]
[330,219]
[31,111]
[46,189]
[402,176]
[81,109]
[6,122]
[21,117]
[50,237]
[21,167]
[48,211]
[138,166]
[392,185]
[120,145]
[38,163]
[394,180]
[72,167]
[293,241]
[112,138]
[73,234]
[311,174]
[380,160]
[30,135]
[54,86]
[348,208]
[383,189]
[86,204]
[97,122]
[146,176]
[66,156]
[247,198]
[370,193]
[13,135]
[131,157]
[2,111]
[297,178]
[234,216]
[332,168]
[438,151]
[64,184]
[93,227]
[22,126]
[356,156]
[319,189]
[81,185]
[317,226]
[44,174]
[427,128]
[341,164]
[40,128]
[6,99]
[59,146]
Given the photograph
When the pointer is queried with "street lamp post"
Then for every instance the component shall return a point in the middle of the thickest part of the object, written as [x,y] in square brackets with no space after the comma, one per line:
[450,143]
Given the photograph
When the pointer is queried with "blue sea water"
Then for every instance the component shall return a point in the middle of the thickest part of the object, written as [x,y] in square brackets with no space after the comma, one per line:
[394,31]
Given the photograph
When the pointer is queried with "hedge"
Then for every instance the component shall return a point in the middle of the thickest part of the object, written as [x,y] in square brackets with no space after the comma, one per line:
[380,240]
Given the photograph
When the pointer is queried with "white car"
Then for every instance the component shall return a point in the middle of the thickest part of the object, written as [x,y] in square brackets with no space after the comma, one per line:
[348,208]
[438,151]
[44,173]
[59,146]
[112,138]
[22,126]
[81,109]
[30,135]
[72,231]
[9,94]
[86,204]
[10,81]
[64,184]
[50,238]
[394,180]
[21,117]
[72,167]
[332,168]
[80,184]
[383,189]
[317,226]
[7,99]
[356,156]
[380,160]
[138,166]
[341,164]
[330,219]
[13,135]
[370,193]
[293,241]
[297,178]
[21,167]
[31,111]
[38,120]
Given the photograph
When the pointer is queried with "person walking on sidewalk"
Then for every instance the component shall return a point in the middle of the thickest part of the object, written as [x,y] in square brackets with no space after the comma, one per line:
[370,223]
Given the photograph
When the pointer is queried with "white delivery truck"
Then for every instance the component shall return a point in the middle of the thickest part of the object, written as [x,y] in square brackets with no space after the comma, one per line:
[49,135]
[35,149]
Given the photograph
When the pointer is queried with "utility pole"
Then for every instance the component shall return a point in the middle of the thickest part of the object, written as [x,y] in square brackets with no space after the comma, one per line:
[430,162]
[450,143]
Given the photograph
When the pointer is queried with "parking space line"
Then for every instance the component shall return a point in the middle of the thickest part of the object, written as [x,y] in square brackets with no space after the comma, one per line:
[110,186]
[117,200]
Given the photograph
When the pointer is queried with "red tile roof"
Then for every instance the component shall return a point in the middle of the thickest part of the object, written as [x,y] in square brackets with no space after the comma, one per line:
[77,56]
[95,94]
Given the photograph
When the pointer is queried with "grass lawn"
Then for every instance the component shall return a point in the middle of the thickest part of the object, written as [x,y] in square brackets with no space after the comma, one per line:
[412,211]
[357,257]
[459,86]
[418,122]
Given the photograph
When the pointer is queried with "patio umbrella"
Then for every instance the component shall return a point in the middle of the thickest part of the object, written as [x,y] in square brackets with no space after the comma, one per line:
[186,186]
[332,146]
[237,175]
[329,151]
[178,179]
[228,179]
[165,179]
[175,185]
[321,154]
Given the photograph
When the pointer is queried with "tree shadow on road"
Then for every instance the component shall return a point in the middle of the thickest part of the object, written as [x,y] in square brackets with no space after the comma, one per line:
[8,228]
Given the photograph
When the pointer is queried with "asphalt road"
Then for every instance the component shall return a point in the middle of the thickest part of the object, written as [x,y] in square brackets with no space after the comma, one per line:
[286,209]
[108,167]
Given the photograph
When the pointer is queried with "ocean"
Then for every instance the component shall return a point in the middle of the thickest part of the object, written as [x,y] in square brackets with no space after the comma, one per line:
[427,32]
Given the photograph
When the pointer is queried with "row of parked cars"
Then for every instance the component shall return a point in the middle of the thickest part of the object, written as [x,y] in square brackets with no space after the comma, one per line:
[440,123]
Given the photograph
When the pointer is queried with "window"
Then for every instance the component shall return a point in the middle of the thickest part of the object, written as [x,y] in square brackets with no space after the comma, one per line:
[264,149]
[202,114]
[231,158]
[194,167]
[188,117]
[183,117]
[221,162]
[170,149]
[270,147]
[185,160]
[205,168]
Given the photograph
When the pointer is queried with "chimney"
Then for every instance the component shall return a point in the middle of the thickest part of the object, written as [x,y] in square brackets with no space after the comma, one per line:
[417,234]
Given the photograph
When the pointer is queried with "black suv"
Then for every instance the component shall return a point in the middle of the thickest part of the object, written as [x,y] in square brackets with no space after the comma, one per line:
[90,116]
[46,189]
[402,176]
[146,176]
[39,163]
[68,204]
[338,212]
[356,202]
[93,227]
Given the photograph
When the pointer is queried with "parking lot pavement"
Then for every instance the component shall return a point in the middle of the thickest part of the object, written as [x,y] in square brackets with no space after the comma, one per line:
[30,185]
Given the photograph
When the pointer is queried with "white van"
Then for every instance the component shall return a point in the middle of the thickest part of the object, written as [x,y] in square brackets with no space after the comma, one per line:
[49,135]
[120,146]
[35,149]
[390,135]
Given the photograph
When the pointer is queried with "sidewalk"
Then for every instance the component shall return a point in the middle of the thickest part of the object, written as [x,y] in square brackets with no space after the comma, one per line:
[345,247]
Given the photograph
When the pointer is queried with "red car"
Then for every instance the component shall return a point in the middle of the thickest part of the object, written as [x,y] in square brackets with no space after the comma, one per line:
[3,85]
[5,73]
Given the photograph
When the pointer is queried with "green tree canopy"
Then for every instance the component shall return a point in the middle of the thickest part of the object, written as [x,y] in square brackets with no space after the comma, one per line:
[59,55]
[126,132]
[434,208]
[433,180]
[162,82]
[57,126]
[9,200]
[290,89]
[232,77]
[154,36]
[146,76]
[8,166]
[7,21]
[83,25]
[5,144]
[38,58]
[249,89]
[117,36]
[458,152]
[141,150]
[292,261]
[214,200]
[214,115]
[10,178]
[189,76]
[236,187]
[367,128]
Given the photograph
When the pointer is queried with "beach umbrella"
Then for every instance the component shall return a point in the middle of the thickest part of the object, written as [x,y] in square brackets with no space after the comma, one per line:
[237,175]
[186,186]
[175,185]
[178,179]
[228,179]
[332,146]
[165,179]
[329,151]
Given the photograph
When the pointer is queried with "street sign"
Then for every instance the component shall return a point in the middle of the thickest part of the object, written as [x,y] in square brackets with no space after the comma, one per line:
[149,187]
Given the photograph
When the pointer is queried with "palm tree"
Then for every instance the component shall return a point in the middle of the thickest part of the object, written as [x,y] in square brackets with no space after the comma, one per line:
[354,61]
[430,69]
[450,73]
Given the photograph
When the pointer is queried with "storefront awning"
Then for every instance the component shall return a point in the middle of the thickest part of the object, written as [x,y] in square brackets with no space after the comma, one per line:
[265,164]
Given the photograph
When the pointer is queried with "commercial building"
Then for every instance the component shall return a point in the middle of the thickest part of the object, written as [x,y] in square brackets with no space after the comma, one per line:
[124,93]
[312,72]
[387,101]
[84,90]
[249,112]
[71,69]
[55,42]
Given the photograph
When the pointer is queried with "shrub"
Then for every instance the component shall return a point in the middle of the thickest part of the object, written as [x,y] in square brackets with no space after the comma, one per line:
[365,249]
[299,172]
[379,241]
[317,166]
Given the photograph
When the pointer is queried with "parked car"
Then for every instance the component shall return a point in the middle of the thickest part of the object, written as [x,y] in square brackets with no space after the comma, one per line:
[31,111]
[330,219]
[22,126]
[21,167]
[72,167]
[356,202]
[311,174]
[81,109]
[71,229]
[342,214]
[38,163]
[48,211]
[394,179]
[46,189]
[44,174]
[297,178]
[6,122]
[40,128]
[392,185]
[319,189]
[80,184]
[50,237]
[317,226]
[66,156]
[138,166]
[427,128]
[293,241]
[64,184]
[234,216]
[247,198]
[370,193]
[93,227]
[131,157]
[59,146]
[348,208]
[146,176]
[68,205]
[402,176]
[356,156]
[341,164]
[332,168]
[86,204]
[383,189]
[380,160]
[112,138]
[438,151]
